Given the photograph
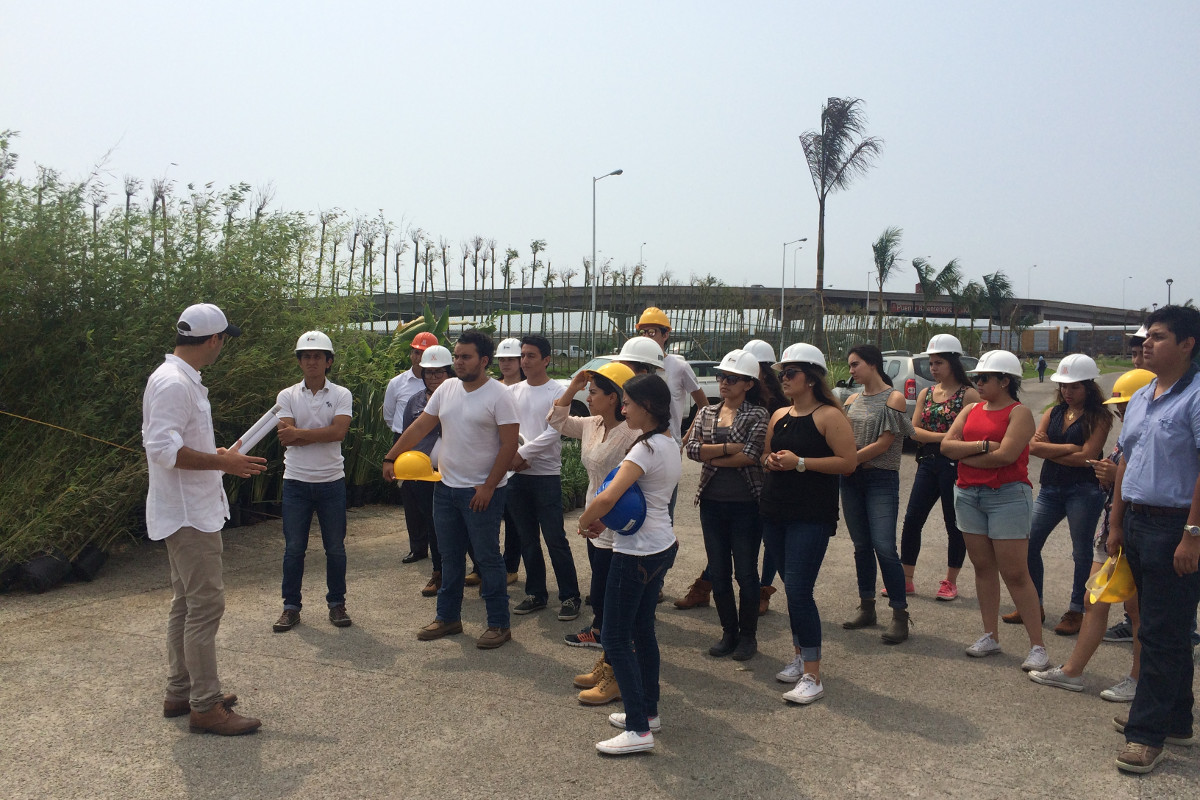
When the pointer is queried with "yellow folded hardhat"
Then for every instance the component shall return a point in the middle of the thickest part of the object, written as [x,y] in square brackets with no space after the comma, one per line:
[1113,583]
[1127,384]
[414,466]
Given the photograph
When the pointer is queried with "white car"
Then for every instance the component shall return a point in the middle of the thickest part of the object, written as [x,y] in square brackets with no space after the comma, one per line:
[705,376]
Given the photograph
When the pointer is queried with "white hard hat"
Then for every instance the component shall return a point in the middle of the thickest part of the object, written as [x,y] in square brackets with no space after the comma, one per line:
[1142,333]
[509,348]
[1000,361]
[314,340]
[740,362]
[436,356]
[1075,368]
[943,343]
[641,350]
[763,352]
[803,354]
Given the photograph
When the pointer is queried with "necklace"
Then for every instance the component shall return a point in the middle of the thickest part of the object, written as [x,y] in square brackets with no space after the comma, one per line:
[1071,416]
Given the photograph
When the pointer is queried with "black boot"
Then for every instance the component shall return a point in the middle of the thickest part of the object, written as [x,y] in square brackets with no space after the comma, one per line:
[747,644]
[728,643]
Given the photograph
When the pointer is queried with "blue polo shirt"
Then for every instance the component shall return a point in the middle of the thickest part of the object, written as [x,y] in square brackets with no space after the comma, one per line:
[1161,442]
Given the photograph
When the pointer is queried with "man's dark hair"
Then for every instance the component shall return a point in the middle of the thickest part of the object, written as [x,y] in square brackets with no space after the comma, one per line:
[540,342]
[192,341]
[328,357]
[1183,321]
[483,343]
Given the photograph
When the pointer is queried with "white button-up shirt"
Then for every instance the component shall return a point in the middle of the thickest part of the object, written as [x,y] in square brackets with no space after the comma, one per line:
[399,390]
[175,414]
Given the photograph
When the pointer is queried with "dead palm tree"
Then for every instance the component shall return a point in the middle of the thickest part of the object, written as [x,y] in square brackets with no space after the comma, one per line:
[836,155]
[886,250]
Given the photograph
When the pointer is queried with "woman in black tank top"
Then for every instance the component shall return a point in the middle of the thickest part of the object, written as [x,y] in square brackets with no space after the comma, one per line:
[809,445]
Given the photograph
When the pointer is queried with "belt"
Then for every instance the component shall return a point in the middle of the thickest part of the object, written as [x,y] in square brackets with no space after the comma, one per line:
[1159,511]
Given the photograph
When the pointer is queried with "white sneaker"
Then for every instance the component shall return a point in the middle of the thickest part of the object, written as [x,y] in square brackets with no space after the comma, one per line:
[808,690]
[986,646]
[1057,678]
[617,720]
[626,742]
[1123,692]
[792,672]
[1037,659]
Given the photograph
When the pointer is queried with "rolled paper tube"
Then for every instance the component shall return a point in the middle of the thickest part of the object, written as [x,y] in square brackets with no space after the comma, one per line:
[266,423]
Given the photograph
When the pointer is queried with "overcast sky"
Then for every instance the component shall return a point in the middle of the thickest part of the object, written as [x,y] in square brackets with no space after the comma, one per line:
[1019,133]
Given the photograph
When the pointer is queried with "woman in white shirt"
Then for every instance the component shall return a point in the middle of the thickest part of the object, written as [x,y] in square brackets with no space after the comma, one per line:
[640,562]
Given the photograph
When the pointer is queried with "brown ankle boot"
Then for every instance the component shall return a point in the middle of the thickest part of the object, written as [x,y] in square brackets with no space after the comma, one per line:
[589,679]
[431,588]
[865,617]
[221,721]
[897,632]
[697,595]
[605,690]
[764,599]
[1015,617]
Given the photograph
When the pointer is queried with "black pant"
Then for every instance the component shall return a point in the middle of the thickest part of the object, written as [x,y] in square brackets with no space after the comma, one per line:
[934,481]
[418,516]
[732,533]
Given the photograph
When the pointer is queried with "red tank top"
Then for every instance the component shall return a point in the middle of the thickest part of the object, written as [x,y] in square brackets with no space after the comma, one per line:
[991,425]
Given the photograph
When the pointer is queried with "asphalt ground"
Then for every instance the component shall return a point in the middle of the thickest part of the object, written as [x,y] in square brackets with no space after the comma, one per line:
[369,711]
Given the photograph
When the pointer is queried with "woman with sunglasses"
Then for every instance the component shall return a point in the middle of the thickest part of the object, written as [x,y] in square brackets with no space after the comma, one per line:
[808,445]
[1069,438]
[727,439]
[871,492]
[993,499]
[605,439]
[937,408]
[639,563]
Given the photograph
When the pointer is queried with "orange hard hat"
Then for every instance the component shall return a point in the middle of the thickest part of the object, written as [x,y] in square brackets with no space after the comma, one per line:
[424,340]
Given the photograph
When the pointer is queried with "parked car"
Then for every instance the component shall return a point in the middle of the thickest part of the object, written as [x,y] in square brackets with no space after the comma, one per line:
[574,351]
[705,376]
[910,374]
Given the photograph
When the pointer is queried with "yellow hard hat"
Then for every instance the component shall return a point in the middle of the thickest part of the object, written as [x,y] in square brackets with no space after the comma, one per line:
[615,371]
[654,316]
[1113,583]
[1129,383]
[414,466]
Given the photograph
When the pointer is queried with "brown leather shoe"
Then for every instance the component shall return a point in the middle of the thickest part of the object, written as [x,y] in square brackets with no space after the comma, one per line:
[589,679]
[697,595]
[289,619]
[512,578]
[177,708]
[431,588]
[473,579]
[1015,617]
[223,722]
[493,638]
[605,691]
[439,628]
[1069,624]
[764,599]
[339,617]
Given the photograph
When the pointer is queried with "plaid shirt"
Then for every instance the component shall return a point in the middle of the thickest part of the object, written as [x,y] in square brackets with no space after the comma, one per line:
[749,428]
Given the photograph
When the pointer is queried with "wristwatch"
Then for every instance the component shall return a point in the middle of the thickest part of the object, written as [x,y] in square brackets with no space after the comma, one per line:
[800,464]
[1192,530]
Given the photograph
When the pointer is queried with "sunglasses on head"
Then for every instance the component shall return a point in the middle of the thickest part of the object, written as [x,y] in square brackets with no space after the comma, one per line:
[729,377]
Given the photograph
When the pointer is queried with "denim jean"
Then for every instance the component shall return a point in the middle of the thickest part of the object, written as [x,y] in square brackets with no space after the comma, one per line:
[300,501]
[600,559]
[732,533]
[512,543]
[769,570]
[418,515]
[535,502]
[1163,703]
[799,548]
[870,504]
[934,481]
[628,633]
[1081,504]
[457,525]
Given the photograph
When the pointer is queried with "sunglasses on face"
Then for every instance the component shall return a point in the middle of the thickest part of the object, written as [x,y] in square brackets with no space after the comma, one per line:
[790,372]
[982,379]
[726,377]
[652,332]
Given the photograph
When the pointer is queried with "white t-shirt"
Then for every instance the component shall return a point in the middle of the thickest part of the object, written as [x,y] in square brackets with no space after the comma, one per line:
[543,444]
[682,382]
[470,430]
[319,462]
[659,459]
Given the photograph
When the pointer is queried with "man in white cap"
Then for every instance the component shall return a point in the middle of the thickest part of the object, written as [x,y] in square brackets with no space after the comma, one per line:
[186,506]
[314,417]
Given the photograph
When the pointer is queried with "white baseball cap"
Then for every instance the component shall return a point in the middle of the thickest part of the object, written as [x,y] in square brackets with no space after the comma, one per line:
[203,320]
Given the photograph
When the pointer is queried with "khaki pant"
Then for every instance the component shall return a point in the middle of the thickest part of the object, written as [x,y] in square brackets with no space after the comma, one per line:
[196,612]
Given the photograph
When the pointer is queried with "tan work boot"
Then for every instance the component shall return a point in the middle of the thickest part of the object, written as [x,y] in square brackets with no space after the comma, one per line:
[221,721]
[897,632]
[697,595]
[177,708]
[605,690]
[865,617]
[435,583]
[764,599]
[1014,618]
[589,679]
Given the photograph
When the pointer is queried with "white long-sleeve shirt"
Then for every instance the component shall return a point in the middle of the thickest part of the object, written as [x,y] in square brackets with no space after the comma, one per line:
[543,445]
[399,390]
[176,414]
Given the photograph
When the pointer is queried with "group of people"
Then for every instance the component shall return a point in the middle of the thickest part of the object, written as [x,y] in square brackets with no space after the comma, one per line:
[781,459]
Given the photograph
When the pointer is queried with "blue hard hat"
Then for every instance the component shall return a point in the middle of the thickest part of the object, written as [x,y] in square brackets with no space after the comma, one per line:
[630,510]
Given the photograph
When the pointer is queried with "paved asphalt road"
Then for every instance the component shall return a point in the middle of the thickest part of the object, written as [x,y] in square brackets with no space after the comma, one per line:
[370,712]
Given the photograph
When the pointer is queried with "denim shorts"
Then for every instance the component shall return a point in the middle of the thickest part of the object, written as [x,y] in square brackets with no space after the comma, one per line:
[1004,513]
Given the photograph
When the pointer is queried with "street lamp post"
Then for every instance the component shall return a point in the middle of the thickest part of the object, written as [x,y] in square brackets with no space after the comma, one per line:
[1169,282]
[794,252]
[1028,279]
[869,274]
[641,263]
[783,285]
[1123,314]
[595,271]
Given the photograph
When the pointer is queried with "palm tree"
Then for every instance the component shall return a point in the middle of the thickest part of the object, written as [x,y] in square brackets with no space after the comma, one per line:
[927,280]
[510,255]
[997,294]
[972,299]
[949,280]
[836,154]
[887,251]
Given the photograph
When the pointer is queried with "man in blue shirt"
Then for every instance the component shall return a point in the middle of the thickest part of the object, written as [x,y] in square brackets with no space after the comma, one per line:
[1155,515]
